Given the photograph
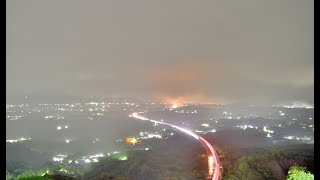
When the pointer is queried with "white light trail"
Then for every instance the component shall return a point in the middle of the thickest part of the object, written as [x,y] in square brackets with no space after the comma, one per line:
[213,160]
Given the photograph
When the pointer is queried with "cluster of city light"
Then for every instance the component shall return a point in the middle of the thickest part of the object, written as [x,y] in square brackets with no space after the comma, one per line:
[63,170]
[116,152]
[133,141]
[183,111]
[205,125]
[267,130]
[148,135]
[59,157]
[180,111]
[110,103]
[11,141]
[59,127]
[9,106]
[97,155]
[92,158]
[57,117]
[299,106]
[62,155]
[73,107]
[305,138]
[154,136]
[244,127]
[13,118]
[281,113]
[86,159]
[17,140]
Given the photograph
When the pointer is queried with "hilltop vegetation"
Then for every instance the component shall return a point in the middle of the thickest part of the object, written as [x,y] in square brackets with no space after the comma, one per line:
[181,157]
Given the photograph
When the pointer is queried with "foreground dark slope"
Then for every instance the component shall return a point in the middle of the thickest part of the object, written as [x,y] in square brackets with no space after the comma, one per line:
[243,155]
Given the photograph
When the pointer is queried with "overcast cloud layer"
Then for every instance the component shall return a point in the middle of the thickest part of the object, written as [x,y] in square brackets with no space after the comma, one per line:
[228,50]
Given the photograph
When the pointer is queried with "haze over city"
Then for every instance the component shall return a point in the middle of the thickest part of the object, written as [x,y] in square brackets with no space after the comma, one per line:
[220,89]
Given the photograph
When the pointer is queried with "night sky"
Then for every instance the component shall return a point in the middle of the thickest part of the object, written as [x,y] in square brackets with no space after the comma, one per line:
[258,51]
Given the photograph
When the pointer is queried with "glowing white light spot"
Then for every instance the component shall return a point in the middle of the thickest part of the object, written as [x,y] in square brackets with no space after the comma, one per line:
[205,125]
[57,159]
[11,141]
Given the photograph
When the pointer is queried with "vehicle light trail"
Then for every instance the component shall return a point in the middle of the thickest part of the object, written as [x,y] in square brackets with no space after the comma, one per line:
[213,158]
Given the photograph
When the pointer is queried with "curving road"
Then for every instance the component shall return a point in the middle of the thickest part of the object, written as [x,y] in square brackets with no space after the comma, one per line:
[213,159]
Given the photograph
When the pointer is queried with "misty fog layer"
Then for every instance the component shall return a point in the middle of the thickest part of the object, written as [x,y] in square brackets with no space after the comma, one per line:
[226,51]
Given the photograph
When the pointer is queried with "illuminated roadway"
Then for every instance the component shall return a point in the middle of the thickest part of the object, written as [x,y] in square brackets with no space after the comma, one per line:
[213,159]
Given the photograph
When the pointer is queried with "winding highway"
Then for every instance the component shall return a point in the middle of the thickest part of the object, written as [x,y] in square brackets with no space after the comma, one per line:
[213,159]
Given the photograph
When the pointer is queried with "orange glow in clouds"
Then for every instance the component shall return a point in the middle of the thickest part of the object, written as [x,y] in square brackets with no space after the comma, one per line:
[180,101]
[174,102]
[181,84]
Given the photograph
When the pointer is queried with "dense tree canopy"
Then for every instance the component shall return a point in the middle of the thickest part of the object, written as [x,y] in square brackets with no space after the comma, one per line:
[297,173]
